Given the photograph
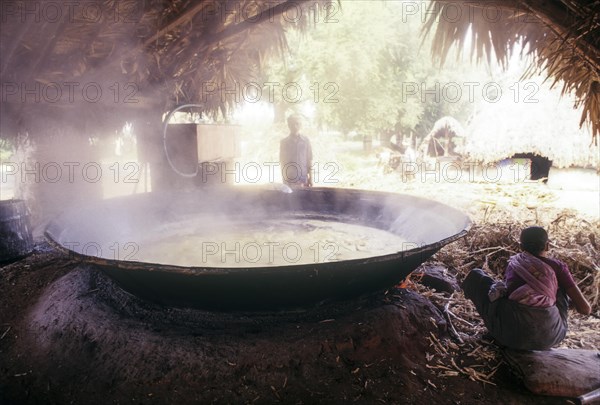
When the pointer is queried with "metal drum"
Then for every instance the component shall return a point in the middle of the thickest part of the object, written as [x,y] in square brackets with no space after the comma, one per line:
[15,230]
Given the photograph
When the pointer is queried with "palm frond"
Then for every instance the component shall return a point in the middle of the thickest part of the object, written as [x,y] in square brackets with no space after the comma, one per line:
[562,36]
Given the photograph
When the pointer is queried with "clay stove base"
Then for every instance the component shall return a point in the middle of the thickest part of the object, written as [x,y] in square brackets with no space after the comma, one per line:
[92,340]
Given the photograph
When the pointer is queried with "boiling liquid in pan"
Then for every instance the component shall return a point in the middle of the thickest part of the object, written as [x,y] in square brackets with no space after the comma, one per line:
[268,243]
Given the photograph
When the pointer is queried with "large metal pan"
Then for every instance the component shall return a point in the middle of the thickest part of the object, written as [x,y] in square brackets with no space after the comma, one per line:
[106,235]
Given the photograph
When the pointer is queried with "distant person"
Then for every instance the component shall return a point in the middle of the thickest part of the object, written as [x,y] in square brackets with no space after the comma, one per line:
[528,310]
[295,155]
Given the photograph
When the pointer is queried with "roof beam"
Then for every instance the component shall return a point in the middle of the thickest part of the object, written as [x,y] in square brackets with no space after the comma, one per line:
[182,19]
[231,30]
[256,19]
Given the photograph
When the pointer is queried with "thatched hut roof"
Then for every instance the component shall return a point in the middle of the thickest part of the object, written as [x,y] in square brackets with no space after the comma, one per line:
[547,128]
[563,36]
[447,126]
[439,141]
[151,54]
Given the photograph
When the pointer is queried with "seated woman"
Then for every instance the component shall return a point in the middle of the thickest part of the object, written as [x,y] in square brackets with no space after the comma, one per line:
[529,310]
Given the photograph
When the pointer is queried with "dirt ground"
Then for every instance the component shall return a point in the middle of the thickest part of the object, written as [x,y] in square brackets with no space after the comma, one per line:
[67,335]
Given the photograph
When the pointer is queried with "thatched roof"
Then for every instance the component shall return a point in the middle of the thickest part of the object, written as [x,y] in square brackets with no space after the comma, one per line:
[142,54]
[156,54]
[547,128]
[439,141]
[562,36]
[447,126]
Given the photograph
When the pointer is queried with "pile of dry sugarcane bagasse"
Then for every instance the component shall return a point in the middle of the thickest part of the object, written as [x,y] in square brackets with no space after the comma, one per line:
[489,244]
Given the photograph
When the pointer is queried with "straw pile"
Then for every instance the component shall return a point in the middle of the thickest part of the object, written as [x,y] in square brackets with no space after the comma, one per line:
[469,352]
[489,244]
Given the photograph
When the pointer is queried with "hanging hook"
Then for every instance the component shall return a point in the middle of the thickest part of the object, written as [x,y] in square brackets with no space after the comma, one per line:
[165,140]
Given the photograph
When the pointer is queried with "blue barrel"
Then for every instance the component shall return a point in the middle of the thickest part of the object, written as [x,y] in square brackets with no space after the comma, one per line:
[15,230]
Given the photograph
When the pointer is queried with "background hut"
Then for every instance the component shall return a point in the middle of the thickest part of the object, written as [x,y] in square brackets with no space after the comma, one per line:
[546,128]
[442,140]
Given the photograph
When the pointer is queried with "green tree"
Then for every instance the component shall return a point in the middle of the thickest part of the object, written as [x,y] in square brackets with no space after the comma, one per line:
[356,70]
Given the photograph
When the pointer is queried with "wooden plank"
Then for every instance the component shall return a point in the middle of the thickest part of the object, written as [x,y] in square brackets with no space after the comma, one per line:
[558,372]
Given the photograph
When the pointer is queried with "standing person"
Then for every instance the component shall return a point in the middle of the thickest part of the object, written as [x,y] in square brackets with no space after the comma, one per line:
[295,155]
[528,311]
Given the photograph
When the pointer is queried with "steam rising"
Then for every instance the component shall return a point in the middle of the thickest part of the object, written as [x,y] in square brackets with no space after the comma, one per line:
[128,228]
